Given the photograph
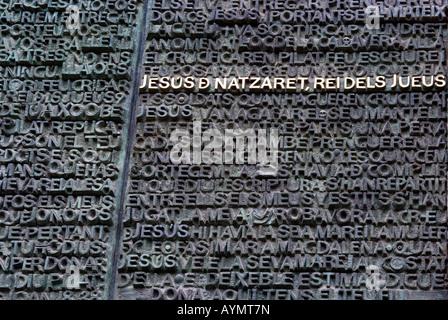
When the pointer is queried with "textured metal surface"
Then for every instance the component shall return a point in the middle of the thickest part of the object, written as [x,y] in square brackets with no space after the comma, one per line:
[66,69]
[353,202]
